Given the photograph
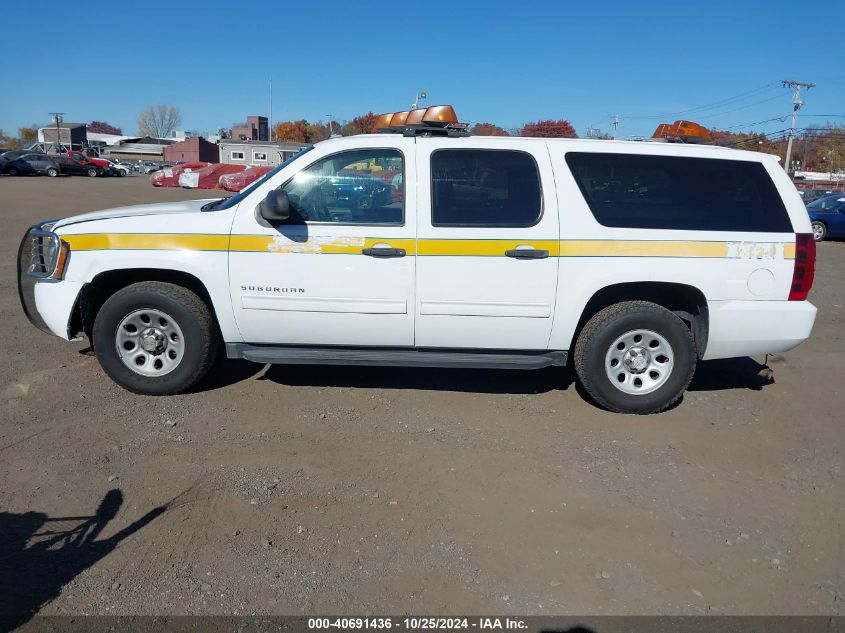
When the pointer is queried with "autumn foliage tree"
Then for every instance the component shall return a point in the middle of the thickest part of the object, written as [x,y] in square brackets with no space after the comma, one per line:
[101,127]
[364,124]
[295,131]
[487,129]
[28,135]
[549,129]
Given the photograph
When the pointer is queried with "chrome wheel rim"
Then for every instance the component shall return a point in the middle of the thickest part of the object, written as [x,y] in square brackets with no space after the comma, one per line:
[818,231]
[150,342]
[639,362]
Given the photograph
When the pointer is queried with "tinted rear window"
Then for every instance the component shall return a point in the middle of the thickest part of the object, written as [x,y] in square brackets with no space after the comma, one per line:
[481,187]
[671,192]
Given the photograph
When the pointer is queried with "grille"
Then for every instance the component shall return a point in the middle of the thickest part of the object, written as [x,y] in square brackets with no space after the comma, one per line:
[43,253]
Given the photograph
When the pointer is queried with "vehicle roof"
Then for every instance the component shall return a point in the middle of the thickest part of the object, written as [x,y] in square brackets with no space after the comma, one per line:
[618,146]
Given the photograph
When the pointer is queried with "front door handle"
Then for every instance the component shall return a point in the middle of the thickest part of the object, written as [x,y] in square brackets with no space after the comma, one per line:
[527,253]
[384,252]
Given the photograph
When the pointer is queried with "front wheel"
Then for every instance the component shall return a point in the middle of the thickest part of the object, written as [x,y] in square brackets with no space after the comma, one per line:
[155,338]
[92,172]
[819,231]
[635,357]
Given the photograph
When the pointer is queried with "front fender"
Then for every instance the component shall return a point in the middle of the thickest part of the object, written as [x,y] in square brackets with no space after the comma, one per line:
[210,268]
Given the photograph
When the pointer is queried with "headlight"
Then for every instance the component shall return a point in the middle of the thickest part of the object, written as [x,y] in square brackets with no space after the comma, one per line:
[48,253]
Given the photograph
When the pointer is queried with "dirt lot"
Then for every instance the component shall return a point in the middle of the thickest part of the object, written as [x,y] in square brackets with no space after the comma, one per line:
[351,490]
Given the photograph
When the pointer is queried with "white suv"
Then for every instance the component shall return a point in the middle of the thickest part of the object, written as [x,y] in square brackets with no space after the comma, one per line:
[431,248]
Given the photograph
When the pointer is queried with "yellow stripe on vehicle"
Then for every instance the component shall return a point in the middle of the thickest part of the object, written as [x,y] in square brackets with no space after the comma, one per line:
[147,241]
[637,248]
[316,245]
[429,247]
[483,248]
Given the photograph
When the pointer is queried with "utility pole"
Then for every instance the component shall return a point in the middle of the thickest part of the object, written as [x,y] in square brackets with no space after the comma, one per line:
[57,117]
[796,105]
[271,110]
[591,130]
[615,124]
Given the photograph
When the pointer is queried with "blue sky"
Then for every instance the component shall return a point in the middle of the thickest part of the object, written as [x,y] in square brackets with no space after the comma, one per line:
[503,62]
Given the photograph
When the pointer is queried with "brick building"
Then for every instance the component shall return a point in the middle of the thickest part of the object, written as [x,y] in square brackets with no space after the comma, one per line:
[192,150]
[256,129]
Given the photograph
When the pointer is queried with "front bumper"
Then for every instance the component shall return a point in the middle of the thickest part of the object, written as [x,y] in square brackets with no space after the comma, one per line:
[749,328]
[48,303]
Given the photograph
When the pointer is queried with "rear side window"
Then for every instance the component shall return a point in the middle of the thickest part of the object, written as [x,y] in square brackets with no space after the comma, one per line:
[479,187]
[672,192]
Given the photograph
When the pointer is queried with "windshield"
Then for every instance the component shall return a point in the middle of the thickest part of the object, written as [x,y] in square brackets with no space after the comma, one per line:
[228,203]
[828,202]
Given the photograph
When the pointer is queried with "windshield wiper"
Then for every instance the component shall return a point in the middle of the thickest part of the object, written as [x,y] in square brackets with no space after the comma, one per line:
[210,206]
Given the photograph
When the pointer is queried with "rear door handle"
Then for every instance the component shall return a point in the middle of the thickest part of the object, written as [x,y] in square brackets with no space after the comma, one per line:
[384,252]
[527,253]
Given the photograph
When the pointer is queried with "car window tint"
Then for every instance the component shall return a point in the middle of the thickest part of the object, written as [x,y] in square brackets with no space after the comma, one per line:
[480,187]
[364,186]
[673,192]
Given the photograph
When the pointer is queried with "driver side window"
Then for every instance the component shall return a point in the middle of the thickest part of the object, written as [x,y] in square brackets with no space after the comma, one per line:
[365,186]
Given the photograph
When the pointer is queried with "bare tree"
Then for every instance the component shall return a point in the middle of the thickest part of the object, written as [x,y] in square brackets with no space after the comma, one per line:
[159,120]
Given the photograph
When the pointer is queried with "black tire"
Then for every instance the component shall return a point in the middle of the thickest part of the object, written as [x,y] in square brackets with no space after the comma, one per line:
[12,171]
[819,230]
[52,172]
[92,172]
[185,308]
[594,346]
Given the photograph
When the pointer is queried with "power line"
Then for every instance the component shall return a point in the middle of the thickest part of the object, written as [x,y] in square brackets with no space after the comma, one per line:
[716,104]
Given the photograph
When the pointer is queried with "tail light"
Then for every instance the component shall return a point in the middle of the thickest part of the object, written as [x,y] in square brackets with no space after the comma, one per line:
[805,267]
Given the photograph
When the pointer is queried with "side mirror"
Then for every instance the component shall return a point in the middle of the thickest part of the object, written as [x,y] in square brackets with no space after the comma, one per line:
[275,207]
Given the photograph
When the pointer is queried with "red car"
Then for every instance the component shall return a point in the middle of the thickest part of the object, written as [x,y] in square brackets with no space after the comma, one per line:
[208,177]
[169,176]
[243,179]
[79,157]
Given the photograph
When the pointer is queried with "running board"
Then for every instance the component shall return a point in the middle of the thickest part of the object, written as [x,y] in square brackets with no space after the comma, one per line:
[392,357]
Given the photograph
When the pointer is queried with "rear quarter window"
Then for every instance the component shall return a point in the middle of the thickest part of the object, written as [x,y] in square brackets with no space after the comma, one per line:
[675,192]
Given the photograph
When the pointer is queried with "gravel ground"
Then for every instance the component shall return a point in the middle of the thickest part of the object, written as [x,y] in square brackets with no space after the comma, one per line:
[291,490]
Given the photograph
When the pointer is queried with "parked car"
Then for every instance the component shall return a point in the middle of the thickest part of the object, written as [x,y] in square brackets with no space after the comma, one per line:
[169,176]
[353,191]
[622,259]
[241,180]
[118,169]
[102,163]
[16,153]
[147,166]
[828,216]
[30,164]
[811,195]
[76,167]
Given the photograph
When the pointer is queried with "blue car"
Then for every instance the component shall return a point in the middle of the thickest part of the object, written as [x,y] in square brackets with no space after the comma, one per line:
[828,216]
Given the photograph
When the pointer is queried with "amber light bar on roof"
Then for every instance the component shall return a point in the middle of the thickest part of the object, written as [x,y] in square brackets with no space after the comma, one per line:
[685,131]
[440,117]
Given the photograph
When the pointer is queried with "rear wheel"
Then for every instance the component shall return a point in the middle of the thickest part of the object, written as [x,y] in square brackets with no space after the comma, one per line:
[635,357]
[155,338]
[819,231]
[92,172]
[12,171]
[52,172]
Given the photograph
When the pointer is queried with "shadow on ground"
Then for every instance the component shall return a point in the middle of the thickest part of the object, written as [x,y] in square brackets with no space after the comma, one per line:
[714,375]
[40,554]
[730,373]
